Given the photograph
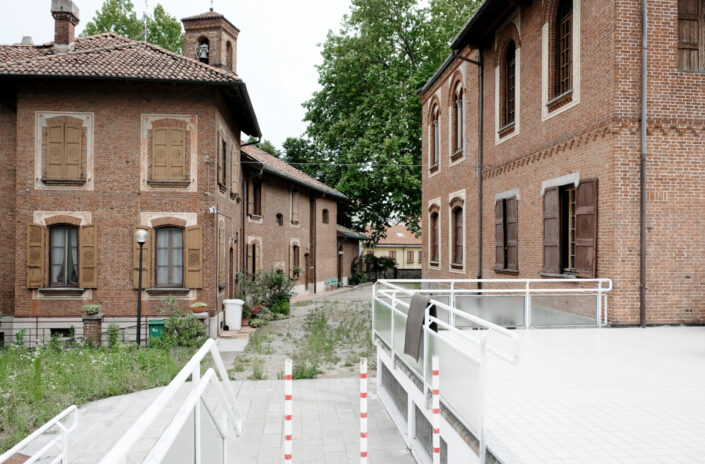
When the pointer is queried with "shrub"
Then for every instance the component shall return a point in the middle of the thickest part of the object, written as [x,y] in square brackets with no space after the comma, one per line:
[257,322]
[113,334]
[281,307]
[170,306]
[183,331]
[91,309]
[265,288]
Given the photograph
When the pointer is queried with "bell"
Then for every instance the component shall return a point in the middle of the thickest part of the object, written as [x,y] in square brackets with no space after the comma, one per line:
[203,51]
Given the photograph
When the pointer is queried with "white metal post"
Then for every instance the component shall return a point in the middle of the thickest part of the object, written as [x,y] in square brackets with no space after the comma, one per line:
[599,307]
[451,301]
[436,405]
[288,410]
[425,328]
[195,380]
[391,315]
[363,410]
[481,379]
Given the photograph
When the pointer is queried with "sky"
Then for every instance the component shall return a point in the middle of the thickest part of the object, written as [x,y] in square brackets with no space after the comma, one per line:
[277,46]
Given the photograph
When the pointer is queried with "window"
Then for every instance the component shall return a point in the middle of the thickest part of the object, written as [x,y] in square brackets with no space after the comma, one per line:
[419,257]
[253,258]
[570,229]
[63,159]
[324,216]
[506,234]
[409,256]
[229,55]
[222,162]
[435,137]
[254,200]
[393,254]
[280,219]
[202,50]
[295,206]
[564,32]
[457,238]
[691,35]
[169,257]
[508,95]
[63,258]
[295,261]
[169,153]
[435,233]
[457,111]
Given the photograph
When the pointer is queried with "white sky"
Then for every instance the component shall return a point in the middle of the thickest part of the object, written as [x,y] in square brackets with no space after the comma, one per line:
[277,46]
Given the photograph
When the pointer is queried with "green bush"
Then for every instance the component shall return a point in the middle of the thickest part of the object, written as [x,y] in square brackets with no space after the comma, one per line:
[281,307]
[182,331]
[113,334]
[265,288]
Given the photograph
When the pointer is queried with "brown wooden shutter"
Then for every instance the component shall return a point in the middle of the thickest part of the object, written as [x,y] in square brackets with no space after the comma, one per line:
[36,255]
[586,228]
[551,231]
[160,153]
[691,32]
[88,258]
[222,274]
[258,256]
[291,260]
[219,155]
[248,265]
[193,277]
[72,152]
[499,234]
[250,197]
[55,152]
[146,259]
[295,206]
[177,154]
[512,233]
[235,169]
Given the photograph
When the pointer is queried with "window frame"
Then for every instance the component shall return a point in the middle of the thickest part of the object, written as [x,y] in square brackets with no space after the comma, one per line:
[505,267]
[457,237]
[435,143]
[509,82]
[256,197]
[684,47]
[563,49]
[170,253]
[325,216]
[435,254]
[66,283]
[458,122]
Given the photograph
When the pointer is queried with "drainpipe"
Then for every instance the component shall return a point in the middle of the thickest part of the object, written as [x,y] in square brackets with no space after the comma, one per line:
[642,186]
[478,168]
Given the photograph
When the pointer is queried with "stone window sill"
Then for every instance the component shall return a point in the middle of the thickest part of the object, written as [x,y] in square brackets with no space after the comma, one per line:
[62,291]
[457,155]
[550,275]
[167,291]
[64,182]
[456,266]
[506,130]
[255,217]
[560,101]
[434,264]
[168,183]
[506,271]
[433,168]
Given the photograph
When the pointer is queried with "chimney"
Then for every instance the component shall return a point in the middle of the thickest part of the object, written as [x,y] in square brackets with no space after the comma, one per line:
[27,40]
[65,13]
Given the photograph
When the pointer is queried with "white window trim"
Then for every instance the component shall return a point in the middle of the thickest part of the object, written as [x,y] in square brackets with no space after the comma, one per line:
[459,194]
[573,178]
[575,64]
[429,244]
[516,20]
[437,96]
[507,195]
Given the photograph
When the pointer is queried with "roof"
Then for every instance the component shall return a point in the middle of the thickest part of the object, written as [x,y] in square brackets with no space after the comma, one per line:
[398,234]
[113,57]
[209,15]
[277,167]
[349,233]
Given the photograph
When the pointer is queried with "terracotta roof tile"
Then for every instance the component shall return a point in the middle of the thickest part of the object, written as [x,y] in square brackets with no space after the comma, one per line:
[280,168]
[399,235]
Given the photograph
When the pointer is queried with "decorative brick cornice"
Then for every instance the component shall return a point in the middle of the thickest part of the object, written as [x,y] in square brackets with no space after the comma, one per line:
[62,219]
[168,221]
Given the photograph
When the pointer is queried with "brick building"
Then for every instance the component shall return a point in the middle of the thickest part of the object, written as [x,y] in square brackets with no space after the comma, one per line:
[103,135]
[532,148]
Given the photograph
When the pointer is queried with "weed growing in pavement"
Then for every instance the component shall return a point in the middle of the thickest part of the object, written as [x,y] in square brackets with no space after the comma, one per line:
[258,369]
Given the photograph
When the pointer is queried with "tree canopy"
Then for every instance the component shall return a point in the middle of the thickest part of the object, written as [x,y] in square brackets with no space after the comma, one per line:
[119,16]
[364,136]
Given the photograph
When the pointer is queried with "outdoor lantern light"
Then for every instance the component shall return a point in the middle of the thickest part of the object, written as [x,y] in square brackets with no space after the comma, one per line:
[141,236]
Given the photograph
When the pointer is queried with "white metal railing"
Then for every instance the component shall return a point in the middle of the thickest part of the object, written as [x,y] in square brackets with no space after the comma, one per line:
[58,443]
[188,414]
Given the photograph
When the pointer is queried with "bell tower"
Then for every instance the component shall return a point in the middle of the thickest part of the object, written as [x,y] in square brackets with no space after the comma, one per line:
[211,39]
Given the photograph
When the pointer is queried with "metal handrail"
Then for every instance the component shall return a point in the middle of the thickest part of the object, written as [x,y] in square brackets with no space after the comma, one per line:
[118,453]
[61,440]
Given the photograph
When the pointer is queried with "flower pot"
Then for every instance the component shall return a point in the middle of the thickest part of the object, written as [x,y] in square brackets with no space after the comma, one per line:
[200,309]
[245,321]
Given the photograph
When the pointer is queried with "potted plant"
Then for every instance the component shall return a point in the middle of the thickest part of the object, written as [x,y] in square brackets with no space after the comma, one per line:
[199,307]
[246,315]
[92,323]
[296,271]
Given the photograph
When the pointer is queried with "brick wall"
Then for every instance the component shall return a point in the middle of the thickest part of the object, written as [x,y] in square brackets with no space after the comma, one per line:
[7,209]
[598,138]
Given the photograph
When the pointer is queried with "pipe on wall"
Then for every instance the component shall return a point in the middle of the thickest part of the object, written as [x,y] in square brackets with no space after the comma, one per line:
[642,174]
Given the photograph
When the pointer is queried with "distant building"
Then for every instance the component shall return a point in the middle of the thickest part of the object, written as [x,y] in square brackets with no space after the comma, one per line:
[404,247]
[349,248]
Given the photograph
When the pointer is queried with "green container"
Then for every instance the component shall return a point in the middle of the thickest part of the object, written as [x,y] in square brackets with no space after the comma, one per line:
[156,328]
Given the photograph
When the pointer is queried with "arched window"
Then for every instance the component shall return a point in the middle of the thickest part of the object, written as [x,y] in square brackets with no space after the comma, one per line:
[509,85]
[435,233]
[457,111]
[203,50]
[564,33]
[324,216]
[457,236]
[170,256]
[63,258]
[435,137]
[229,55]
[280,219]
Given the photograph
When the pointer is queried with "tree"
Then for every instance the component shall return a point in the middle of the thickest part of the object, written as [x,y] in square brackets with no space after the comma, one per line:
[366,118]
[119,16]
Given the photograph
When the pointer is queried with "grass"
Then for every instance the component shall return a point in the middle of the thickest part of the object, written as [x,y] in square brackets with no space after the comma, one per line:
[37,384]
[259,343]
[258,369]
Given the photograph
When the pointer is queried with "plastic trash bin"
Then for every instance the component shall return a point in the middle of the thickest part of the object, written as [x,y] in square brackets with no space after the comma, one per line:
[156,328]
[233,314]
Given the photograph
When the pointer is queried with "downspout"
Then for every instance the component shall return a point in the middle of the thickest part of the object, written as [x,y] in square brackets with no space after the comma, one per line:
[478,168]
[642,186]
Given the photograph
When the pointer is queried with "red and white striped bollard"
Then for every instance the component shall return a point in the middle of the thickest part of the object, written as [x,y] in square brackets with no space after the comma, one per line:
[436,405]
[287,410]
[363,410]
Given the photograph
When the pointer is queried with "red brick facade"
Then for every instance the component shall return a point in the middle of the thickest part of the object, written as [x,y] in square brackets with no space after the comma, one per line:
[592,135]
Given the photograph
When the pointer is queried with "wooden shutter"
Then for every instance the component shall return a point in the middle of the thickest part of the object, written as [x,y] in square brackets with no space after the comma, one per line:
[222,273]
[250,197]
[36,255]
[257,251]
[72,152]
[248,264]
[235,170]
[160,153]
[291,260]
[551,231]
[295,206]
[55,152]
[193,277]
[691,35]
[177,154]
[586,228]
[499,235]
[221,168]
[146,259]
[88,257]
[512,233]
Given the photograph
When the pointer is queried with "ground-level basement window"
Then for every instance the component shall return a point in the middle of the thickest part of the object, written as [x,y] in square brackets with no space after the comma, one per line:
[424,435]
[60,333]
